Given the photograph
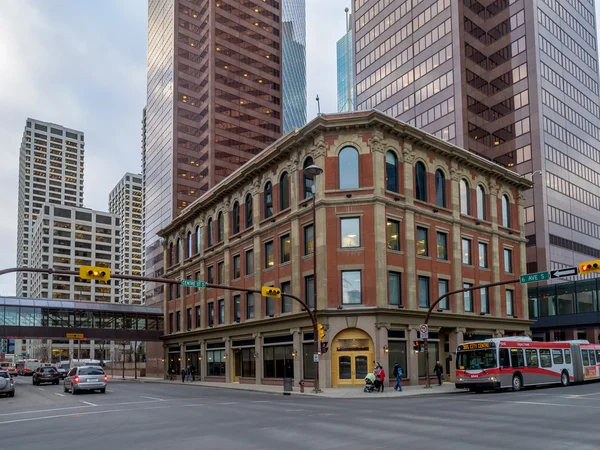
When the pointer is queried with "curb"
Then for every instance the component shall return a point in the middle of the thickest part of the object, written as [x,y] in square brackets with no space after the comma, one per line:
[295,393]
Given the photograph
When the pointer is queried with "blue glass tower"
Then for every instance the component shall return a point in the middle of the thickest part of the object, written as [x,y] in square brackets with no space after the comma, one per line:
[345,71]
[293,40]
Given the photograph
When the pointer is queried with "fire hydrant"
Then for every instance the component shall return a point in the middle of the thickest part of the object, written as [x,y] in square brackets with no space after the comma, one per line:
[301,386]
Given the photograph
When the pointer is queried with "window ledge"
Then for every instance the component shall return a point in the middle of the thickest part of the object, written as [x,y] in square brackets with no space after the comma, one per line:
[424,257]
[248,276]
[397,252]
[351,249]
[487,269]
[269,269]
[285,264]
[444,261]
[309,256]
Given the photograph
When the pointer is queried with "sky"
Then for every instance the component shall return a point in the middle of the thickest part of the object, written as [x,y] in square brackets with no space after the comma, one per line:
[82,64]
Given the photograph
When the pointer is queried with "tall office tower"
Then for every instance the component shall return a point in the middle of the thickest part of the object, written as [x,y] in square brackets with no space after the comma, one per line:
[513,80]
[144,199]
[50,170]
[293,60]
[213,102]
[126,202]
[67,237]
[345,69]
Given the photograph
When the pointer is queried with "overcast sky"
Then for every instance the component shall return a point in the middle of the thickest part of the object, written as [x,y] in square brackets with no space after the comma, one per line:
[82,64]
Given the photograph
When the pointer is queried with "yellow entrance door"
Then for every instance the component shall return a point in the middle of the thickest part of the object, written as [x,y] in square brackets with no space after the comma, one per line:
[351,358]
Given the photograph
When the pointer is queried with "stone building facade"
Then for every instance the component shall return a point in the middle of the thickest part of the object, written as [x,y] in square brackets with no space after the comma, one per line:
[401,217]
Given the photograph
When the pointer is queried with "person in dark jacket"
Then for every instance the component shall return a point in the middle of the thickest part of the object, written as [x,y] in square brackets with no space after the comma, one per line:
[439,371]
[398,375]
[183,373]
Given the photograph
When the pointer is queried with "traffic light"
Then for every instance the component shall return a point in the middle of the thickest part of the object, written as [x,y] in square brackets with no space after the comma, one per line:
[417,346]
[321,329]
[324,347]
[270,291]
[94,273]
[589,266]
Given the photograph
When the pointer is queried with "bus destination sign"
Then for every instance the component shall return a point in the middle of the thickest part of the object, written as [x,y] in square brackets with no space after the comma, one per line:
[476,345]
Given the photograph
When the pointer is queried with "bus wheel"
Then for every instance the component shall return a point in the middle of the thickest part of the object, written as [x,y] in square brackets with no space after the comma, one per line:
[564,378]
[517,383]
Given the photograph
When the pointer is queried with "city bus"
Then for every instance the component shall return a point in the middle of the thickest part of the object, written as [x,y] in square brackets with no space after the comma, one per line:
[516,362]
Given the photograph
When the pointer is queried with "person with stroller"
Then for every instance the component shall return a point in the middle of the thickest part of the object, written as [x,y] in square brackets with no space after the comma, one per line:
[369,382]
[379,378]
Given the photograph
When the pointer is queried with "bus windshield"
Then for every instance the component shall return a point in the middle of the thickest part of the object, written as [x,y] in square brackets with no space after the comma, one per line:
[476,360]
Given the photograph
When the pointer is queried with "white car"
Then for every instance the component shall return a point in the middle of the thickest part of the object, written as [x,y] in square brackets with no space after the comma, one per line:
[7,384]
[85,378]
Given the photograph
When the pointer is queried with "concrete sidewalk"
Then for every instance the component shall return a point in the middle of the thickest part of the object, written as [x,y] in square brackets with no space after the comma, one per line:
[342,392]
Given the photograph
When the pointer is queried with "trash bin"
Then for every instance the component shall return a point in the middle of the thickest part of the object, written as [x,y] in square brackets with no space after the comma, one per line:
[287,384]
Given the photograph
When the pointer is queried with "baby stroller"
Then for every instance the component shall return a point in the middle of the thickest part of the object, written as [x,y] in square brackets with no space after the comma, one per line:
[369,383]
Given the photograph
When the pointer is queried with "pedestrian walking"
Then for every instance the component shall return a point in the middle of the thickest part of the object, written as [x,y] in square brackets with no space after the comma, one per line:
[183,375]
[382,377]
[190,374]
[193,372]
[439,371]
[398,374]
[379,377]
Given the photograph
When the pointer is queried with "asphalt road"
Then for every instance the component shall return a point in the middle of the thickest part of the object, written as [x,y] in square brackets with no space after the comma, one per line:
[134,415]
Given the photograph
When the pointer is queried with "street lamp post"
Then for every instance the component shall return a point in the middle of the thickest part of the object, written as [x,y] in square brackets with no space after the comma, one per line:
[314,171]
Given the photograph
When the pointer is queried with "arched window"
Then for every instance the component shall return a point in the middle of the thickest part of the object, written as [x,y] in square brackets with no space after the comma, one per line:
[220,227]
[420,181]
[284,192]
[505,211]
[209,233]
[198,239]
[171,254]
[307,180]
[440,188]
[465,201]
[481,212]
[178,251]
[268,197]
[391,171]
[235,218]
[248,208]
[190,244]
[348,168]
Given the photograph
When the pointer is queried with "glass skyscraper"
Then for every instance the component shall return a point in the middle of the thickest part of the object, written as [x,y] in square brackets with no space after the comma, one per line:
[345,71]
[293,41]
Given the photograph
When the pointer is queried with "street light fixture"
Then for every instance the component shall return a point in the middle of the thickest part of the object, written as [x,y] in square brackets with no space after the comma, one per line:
[313,171]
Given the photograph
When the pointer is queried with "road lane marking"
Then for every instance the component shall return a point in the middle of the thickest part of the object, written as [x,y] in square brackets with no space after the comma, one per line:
[56,393]
[533,403]
[228,403]
[585,395]
[30,419]
[262,401]
[108,390]
[153,398]
[293,410]
[89,403]
[41,389]
[73,407]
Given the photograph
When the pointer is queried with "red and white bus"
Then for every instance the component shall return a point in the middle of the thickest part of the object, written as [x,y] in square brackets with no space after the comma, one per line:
[515,362]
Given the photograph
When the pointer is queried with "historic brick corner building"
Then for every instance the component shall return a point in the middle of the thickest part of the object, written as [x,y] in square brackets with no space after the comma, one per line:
[401,217]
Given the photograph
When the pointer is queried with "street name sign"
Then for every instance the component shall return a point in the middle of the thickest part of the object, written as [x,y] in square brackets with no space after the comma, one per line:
[534,277]
[565,272]
[194,284]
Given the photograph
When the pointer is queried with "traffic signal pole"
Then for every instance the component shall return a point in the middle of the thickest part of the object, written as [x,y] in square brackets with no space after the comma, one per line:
[434,304]
[312,314]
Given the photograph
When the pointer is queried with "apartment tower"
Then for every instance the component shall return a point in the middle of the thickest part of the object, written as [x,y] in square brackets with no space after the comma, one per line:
[50,170]
[126,203]
[214,100]
[513,80]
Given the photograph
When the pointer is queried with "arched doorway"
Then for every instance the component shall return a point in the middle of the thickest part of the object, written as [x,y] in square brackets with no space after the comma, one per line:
[352,357]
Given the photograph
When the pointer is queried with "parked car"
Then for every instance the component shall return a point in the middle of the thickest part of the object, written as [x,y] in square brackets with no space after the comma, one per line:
[7,384]
[62,372]
[46,375]
[85,378]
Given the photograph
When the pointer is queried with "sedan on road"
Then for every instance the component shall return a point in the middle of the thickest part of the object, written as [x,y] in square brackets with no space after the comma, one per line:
[62,372]
[46,375]
[85,378]
[7,384]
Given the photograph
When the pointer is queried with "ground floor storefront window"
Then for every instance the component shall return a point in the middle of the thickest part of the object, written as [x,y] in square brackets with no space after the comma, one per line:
[308,351]
[397,354]
[174,366]
[434,355]
[215,363]
[193,360]
[278,361]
